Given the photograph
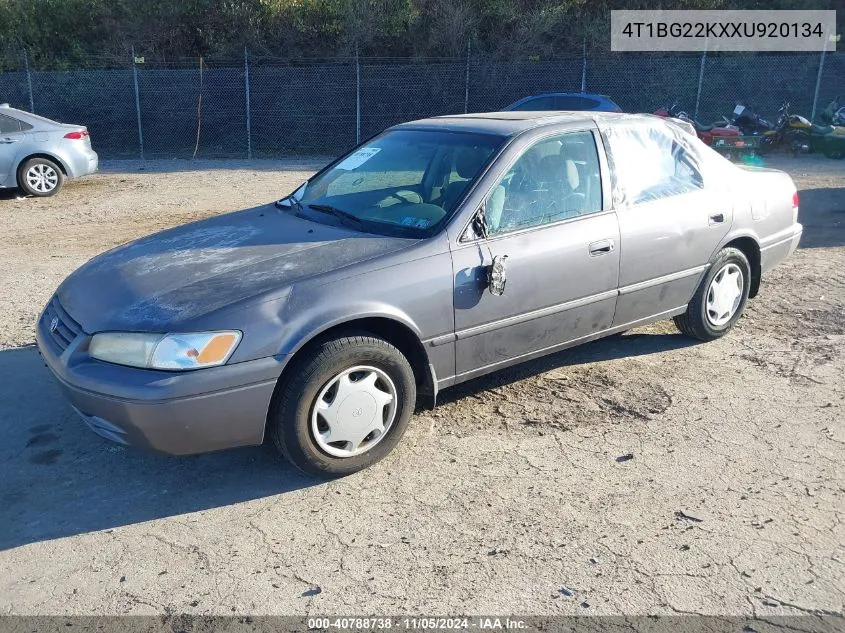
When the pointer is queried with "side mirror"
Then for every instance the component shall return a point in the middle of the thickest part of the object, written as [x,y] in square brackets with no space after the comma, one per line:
[479,223]
[497,276]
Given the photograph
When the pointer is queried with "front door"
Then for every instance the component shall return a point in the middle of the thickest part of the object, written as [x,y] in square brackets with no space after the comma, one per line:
[546,215]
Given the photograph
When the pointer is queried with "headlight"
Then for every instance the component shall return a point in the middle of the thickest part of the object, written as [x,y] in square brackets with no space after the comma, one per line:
[165,351]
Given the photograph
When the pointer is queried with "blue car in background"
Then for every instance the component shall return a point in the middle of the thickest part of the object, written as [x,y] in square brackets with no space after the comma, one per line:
[565,101]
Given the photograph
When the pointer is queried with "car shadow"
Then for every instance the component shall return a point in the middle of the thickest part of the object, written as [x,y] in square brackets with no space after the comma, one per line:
[13,193]
[822,213]
[59,479]
[609,348]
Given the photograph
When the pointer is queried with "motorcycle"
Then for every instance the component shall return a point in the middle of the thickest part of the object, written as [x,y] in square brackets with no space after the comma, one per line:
[749,122]
[722,136]
[833,114]
[800,136]
[706,133]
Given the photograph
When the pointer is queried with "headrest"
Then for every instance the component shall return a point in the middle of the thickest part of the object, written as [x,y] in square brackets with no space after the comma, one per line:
[575,150]
[548,169]
[468,161]
[573,177]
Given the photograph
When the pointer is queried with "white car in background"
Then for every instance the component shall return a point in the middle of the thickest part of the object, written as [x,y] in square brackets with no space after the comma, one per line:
[37,154]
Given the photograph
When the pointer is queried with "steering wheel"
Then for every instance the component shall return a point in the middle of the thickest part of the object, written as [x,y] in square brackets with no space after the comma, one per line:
[402,196]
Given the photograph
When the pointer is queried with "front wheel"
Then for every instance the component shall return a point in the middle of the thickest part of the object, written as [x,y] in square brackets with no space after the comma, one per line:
[40,177]
[720,299]
[344,405]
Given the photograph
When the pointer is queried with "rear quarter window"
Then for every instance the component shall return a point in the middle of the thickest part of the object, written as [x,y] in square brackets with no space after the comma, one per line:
[10,125]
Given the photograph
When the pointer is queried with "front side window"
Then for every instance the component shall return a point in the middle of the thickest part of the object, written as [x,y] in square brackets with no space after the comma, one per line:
[556,179]
[650,162]
[403,180]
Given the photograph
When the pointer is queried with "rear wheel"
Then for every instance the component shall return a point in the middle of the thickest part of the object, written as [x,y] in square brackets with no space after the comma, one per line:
[40,177]
[720,299]
[344,405]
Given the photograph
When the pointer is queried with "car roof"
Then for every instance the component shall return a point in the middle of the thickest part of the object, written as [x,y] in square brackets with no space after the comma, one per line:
[510,123]
[566,94]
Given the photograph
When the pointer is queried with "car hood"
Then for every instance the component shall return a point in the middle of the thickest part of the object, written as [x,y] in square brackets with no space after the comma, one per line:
[169,279]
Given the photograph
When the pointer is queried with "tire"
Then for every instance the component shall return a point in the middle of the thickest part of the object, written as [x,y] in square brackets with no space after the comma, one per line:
[700,320]
[40,177]
[316,377]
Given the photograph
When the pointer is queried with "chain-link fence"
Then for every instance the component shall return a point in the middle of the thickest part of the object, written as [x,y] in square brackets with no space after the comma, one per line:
[268,107]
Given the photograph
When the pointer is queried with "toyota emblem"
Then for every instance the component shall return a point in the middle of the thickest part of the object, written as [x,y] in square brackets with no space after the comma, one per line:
[54,324]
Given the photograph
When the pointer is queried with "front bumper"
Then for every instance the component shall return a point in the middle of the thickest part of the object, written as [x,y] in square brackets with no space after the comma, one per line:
[178,413]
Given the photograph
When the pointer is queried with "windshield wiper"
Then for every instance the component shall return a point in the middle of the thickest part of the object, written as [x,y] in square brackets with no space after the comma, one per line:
[338,213]
[294,203]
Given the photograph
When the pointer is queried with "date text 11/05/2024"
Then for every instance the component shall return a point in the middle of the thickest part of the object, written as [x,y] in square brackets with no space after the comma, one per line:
[418,623]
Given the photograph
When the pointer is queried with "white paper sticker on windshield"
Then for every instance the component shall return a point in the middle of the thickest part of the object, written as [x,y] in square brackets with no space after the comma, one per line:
[739,110]
[356,159]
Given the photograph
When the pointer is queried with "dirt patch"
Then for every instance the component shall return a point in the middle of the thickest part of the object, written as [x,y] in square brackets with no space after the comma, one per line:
[574,396]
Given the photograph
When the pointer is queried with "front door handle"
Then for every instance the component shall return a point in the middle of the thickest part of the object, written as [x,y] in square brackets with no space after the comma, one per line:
[602,247]
[717,218]
[8,141]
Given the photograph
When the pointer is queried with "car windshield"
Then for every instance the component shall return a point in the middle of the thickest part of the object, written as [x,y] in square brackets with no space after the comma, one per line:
[403,181]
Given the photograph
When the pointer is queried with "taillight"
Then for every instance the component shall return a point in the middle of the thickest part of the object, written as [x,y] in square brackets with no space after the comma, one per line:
[795,207]
[78,135]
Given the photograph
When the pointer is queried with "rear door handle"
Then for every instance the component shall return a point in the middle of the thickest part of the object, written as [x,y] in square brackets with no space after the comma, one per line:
[602,247]
[717,218]
[8,141]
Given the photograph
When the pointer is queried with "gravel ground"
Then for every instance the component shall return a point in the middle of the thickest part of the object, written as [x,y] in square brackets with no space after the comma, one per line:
[514,495]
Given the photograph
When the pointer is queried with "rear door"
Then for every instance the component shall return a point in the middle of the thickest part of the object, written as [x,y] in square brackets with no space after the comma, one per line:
[546,214]
[12,135]
[670,223]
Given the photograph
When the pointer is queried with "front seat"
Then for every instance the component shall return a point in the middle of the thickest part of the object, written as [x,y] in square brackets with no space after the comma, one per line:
[577,183]
[468,161]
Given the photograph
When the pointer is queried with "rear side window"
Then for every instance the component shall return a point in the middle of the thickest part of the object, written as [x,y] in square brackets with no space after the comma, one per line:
[570,103]
[9,125]
[540,103]
[650,162]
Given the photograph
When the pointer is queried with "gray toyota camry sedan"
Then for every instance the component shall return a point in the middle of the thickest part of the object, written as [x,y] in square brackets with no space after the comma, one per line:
[440,250]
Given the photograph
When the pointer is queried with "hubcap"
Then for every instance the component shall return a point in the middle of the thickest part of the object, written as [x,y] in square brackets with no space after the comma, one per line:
[354,411]
[724,294]
[42,178]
